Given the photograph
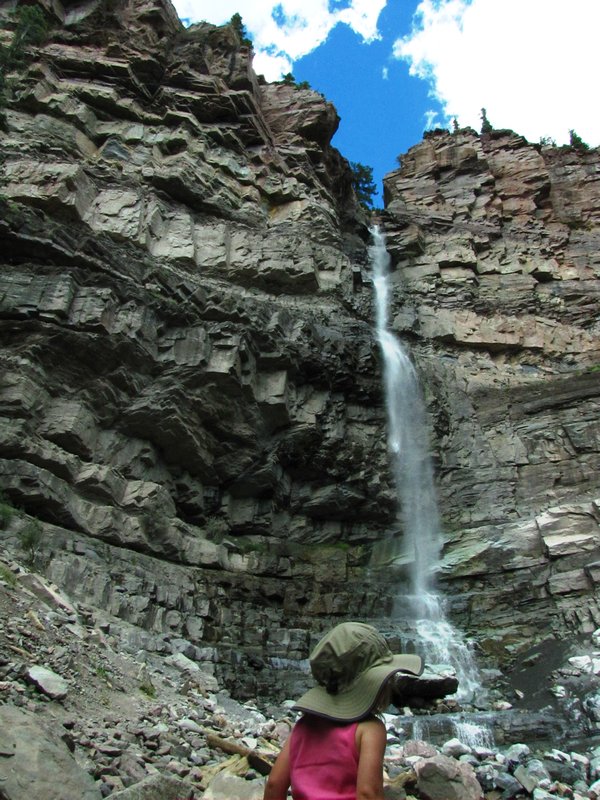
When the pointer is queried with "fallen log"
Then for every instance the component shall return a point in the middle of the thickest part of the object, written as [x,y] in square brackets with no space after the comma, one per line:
[255,759]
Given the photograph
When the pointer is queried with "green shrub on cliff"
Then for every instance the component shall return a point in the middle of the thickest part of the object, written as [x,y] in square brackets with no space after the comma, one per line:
[239,27]
[30,538]
[289,80]
[486,125]
[215,528]
[31,29]
[362,182]
[577,143]
[7,511]
[7,576]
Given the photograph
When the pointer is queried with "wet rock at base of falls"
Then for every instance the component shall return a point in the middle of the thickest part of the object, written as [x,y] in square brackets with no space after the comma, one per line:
[508,784]
[529,775]
[428,686]
[506,727]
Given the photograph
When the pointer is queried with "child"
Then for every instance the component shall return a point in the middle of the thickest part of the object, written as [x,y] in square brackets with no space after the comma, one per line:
[335,751]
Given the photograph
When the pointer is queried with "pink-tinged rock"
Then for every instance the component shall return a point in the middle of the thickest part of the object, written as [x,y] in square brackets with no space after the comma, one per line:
[443,778]
[48,682]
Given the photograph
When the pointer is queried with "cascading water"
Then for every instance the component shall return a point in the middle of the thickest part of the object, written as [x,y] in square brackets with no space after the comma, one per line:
[412,469]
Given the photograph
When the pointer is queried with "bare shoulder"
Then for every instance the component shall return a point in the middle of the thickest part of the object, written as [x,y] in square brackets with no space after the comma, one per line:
[371,723]
[371,728]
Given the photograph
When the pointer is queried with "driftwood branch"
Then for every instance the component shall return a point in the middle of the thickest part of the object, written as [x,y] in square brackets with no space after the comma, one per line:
[256,761]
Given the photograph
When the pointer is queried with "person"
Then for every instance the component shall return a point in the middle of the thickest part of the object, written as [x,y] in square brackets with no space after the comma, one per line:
[335,750]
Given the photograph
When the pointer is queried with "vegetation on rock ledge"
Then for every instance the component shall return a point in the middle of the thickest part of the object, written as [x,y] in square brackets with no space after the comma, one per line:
[31,29]
[362,183]
[239,27]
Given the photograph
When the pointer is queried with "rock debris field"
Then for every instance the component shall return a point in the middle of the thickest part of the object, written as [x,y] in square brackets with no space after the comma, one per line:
[81,721]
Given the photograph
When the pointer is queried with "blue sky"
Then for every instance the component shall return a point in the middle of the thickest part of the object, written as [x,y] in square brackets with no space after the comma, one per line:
[395,68]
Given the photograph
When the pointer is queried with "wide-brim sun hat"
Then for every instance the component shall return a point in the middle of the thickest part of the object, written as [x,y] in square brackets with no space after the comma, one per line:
[351,664]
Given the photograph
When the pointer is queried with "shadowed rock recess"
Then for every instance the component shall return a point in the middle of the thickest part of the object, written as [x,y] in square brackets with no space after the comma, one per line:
[191,389]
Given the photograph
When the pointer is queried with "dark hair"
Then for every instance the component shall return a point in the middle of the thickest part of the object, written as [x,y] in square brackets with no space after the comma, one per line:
[383,699]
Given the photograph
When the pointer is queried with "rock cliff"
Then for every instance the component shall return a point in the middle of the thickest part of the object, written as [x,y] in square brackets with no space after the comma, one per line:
[495,243]
[191,402]
[191,389]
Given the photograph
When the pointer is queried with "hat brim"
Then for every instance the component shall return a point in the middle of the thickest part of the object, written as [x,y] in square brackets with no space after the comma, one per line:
[354,703]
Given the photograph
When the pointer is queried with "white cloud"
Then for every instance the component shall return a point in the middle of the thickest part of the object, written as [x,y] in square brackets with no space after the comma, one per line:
[272,67]
[431,120]
[362,16]
[533,64]
[289,29]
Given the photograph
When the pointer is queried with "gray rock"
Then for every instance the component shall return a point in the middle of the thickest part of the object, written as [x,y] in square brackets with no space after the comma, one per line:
[455,748]
[517,753]
[531,774]
[157,787]
[528,780]
[225,786]
[595,767]
[542,794]
[40,765]
[486,775]
[189,725]
[429,685]
[46,592]
[443,778]
[48,682]
[509,786]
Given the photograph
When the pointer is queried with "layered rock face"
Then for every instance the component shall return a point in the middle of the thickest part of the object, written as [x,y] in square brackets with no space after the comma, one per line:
[496,249]
[191,388]
[191,400]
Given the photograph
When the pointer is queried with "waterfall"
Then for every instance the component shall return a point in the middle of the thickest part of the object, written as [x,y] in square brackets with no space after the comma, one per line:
[412,470]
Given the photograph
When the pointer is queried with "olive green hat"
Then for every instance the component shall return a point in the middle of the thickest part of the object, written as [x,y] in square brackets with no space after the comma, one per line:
[351,663]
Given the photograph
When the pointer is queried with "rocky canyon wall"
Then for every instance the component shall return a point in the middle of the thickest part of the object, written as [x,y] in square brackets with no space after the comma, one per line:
[191,389]
[191,401]
[496,247]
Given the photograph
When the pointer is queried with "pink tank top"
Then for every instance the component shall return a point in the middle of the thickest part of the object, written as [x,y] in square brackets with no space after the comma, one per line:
[323,759]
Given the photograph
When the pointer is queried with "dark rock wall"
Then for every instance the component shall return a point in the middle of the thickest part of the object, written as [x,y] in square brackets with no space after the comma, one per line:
[190,387]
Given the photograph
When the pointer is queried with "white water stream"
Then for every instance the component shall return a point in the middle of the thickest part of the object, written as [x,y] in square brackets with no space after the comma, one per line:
[437,639]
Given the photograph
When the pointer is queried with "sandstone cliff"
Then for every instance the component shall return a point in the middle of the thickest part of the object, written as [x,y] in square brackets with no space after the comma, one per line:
[191,389]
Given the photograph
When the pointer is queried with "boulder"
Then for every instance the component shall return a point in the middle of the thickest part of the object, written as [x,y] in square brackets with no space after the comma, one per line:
[443,778]
[157,787]
[429,685]
[233,787]
[35,762]
[48,682]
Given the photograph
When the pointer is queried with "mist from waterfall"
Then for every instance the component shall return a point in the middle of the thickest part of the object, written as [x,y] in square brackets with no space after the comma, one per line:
[412,470]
